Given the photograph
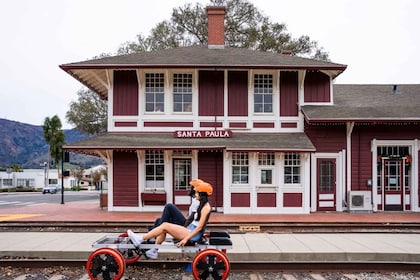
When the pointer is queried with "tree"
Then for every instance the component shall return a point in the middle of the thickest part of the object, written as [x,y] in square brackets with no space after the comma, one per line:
[78,174]
[89,113]
[96,177]
[245,27]
[16,168]
[55,138]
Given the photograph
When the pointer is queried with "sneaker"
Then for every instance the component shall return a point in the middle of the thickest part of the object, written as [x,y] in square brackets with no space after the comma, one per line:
[136,239]
[152,253]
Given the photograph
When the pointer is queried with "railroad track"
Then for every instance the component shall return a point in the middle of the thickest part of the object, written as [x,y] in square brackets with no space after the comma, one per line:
[236,266]
[239,270]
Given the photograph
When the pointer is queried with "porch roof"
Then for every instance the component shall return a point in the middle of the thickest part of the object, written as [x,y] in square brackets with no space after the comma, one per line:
[297,142]
[368,103]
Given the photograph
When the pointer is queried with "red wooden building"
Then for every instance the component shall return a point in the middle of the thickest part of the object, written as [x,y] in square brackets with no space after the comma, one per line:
[271,132]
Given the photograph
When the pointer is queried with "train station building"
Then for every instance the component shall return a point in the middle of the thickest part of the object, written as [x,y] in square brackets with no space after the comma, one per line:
[271,132]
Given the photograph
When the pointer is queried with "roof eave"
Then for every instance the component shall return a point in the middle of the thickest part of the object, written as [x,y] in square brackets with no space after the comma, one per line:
[363,120]
[67,67]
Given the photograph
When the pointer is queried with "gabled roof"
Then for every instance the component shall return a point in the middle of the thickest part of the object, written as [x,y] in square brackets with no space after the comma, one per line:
[92,73]
[368,103]
[293,142]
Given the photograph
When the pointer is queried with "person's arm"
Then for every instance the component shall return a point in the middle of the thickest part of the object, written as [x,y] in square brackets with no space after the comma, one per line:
[193,209]
[189,219]
[201,223]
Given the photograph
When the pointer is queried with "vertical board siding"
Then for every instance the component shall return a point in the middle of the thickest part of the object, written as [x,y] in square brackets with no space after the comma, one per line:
[289,94]
[361,147]
[240,199]
[210,93]
[126,93]
[210,169]
[327,139]
[238,93]
[266,200]
[125,174]
[292,200]
[317,87]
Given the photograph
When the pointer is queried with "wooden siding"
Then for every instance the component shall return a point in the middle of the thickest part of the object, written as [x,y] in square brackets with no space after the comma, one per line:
[361,147]
[292,200]
[125,175]
[266,200]
[210,93]
[240,199]
[126,93]
[210,169]
[317,87]
[327,139]
[168,124]
[263,125]
[289,94]
[237,124]
[237,93]
[211,124]
[289,125]
[125,124]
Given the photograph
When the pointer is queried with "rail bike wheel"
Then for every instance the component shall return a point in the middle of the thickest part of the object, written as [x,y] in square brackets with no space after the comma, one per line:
[130,255]
[105,264]
[210,262]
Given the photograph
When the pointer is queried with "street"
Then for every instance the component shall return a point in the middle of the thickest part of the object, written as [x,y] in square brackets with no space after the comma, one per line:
[13,200]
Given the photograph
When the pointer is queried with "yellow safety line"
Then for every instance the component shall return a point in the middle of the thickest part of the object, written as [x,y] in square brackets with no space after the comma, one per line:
[8,217]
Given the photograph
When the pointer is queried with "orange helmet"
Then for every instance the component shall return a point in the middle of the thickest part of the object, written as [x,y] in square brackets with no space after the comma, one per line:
[195,182]
[205,188]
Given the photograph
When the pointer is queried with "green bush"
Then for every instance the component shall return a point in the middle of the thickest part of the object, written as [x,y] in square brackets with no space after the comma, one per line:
[75,188]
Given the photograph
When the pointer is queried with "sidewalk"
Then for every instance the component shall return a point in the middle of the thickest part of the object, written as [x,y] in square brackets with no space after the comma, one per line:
[281,247]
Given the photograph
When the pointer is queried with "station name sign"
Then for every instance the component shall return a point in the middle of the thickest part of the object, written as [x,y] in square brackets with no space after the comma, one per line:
[203,134]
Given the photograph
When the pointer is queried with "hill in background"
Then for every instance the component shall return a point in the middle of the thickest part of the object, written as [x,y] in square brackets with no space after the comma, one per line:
[24,145]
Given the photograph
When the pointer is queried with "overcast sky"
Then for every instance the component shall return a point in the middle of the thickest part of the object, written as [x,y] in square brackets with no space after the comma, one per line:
[378,40]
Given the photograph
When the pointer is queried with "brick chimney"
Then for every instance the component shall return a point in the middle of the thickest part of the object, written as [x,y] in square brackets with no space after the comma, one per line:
[216,27]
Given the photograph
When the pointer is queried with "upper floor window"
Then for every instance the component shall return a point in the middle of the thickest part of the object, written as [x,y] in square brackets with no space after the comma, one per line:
[291,168]
[155,92]
[263,93]
[182,87]
[240,167]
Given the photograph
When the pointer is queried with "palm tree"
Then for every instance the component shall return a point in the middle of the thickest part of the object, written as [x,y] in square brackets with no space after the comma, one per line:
[55,138]
[16,168]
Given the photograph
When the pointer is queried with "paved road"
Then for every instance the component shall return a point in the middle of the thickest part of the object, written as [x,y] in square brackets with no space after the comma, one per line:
[13,200]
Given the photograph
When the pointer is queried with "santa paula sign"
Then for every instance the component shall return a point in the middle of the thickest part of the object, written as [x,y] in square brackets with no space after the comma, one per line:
[202,134]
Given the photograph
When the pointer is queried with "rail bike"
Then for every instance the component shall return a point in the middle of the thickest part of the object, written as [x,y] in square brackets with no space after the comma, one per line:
[113,253]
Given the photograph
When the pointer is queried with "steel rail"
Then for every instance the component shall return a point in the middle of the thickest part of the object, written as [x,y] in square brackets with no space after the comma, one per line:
[236,266]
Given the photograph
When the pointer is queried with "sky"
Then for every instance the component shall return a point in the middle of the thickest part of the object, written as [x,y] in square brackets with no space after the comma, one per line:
[378,40]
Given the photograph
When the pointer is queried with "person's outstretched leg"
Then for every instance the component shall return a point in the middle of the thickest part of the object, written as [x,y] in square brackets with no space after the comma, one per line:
[171,214]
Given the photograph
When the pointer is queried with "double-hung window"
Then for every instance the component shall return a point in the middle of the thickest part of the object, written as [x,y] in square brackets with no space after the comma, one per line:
[292,168]
[155,171]
[155,92]
[263,93]
[182,91]
[240,168]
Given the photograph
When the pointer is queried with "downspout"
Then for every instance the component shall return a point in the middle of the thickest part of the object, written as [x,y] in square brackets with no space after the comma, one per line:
[349,131]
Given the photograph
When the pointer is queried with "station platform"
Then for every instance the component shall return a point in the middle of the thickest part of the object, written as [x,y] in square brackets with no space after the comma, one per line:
[252,246]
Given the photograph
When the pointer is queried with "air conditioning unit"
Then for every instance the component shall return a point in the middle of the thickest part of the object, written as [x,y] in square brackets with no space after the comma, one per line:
[360,201]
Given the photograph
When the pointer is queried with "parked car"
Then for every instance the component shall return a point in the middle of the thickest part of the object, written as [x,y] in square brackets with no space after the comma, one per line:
[51,188]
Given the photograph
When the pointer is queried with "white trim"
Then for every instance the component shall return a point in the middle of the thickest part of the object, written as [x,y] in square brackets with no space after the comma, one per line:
[414,145]
[339,169]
